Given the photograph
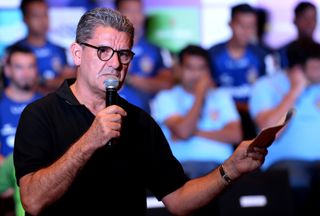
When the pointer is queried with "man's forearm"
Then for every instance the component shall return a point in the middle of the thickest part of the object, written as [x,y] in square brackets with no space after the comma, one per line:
[206,188]
[44,187]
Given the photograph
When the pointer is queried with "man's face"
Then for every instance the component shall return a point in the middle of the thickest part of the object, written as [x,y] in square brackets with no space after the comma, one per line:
[37,19]
[312,70]
[243,27]
[133,10]
[306,22]
[193,68]
[22,71]
[93,71]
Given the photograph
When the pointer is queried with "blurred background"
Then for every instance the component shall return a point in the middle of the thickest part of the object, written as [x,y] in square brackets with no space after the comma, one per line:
[206,22]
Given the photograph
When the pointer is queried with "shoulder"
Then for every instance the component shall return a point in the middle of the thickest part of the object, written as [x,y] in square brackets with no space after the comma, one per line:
[218,47]
[175,91]
[5,101]
[258,50]
[144,44]
[219,93]
[55,46]
[21,42]
[42,104]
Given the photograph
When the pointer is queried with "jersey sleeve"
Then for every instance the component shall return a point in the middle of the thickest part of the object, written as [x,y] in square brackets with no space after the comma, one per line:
[260,98]
[163,106]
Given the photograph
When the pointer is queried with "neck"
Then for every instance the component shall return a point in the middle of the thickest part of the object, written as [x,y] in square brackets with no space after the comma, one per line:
[302,36]
[236,49]
[19,95]
[94,102]
[36,40]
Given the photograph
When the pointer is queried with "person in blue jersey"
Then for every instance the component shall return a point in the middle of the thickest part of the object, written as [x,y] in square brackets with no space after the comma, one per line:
[51,58]
[147,73]
[237,63]
[200,121]
[62,163]
[305,21]
[297,148]
[21,71]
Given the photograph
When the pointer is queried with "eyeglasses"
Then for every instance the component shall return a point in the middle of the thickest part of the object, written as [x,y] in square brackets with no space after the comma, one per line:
[105,53]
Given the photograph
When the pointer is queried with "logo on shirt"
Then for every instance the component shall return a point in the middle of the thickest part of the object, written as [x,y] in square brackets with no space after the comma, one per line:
[56,64]
[214,115]
[146,65]
[252,75]
[17,110]
[7,129]
[8,132]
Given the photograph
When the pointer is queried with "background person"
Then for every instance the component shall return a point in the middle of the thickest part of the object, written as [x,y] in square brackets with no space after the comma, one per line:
[297,148]
[51,58]
[237,63]
[21,72]
[147,73]
[200,121]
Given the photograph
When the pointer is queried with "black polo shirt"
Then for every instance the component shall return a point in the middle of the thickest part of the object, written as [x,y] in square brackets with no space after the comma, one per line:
[114,180]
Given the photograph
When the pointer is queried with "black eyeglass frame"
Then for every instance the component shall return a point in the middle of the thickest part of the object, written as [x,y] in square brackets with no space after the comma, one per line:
[119,52]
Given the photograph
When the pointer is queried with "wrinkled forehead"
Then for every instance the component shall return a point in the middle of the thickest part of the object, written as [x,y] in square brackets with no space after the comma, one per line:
[106,35]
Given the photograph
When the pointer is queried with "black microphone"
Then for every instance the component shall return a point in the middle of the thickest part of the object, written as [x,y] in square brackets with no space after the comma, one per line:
[111,85]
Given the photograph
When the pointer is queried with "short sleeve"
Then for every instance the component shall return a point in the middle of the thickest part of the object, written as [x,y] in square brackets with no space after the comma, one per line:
[164,105]
[31,149]
[165,172]
[261,97]
[229,110]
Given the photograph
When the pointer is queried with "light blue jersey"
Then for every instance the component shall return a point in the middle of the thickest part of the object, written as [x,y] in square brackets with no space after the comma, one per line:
[300,140]
[218,110]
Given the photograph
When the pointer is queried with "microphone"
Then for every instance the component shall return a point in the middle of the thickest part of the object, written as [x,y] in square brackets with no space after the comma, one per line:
[111,85]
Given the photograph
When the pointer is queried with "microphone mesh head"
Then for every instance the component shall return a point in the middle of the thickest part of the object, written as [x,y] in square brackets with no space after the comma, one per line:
[111,83]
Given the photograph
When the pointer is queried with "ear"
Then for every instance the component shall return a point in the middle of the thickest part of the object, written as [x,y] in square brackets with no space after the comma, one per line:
[7,68]
[76,52]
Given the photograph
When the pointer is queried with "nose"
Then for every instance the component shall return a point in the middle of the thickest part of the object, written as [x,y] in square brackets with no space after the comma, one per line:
[114,62]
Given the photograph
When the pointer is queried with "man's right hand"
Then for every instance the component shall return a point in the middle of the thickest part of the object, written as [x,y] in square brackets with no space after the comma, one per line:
[106,125]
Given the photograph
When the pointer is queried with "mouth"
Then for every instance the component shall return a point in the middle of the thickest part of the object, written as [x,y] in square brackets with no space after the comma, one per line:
[114,75]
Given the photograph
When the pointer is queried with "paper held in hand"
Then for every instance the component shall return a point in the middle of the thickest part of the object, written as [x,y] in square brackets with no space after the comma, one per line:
[267,135]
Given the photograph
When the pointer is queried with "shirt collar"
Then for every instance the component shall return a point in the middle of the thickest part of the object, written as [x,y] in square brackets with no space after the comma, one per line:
[65,92]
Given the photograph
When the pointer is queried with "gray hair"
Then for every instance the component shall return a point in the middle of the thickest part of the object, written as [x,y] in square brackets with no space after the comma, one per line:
[102,17]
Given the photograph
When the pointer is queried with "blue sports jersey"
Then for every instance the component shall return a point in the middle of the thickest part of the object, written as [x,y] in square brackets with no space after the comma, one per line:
[9,117]
[50,58]
[237,75]
[146,63]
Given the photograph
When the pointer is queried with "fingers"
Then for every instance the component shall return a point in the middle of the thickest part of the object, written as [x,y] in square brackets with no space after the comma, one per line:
[107,124]
[114,109]
[257,153]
